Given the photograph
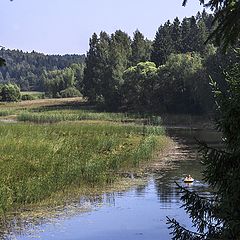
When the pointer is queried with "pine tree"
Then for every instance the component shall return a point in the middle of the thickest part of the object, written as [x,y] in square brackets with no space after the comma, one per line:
[163,44]
[227,15]
[119,61]
[200,37]
[90,79]
[140,48]
[185,45]
[192,37]
[176,35]
[218,217]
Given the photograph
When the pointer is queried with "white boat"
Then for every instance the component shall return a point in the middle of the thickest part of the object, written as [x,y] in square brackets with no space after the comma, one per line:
[188,179]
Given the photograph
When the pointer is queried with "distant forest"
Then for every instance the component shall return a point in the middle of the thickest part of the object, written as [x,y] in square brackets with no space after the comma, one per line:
[169,74]
[26,69]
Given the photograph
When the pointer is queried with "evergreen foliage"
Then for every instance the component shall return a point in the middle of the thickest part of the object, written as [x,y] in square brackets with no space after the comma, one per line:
[181,37]
[163,44]
[25,69]
[141,48]
[227,19]
[219,217]
[113,77]
[107,59]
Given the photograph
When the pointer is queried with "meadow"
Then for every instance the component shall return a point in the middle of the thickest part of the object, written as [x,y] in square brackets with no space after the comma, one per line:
[59,146]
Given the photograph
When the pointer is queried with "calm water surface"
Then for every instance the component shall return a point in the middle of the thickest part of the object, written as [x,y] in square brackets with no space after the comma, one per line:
[137,214]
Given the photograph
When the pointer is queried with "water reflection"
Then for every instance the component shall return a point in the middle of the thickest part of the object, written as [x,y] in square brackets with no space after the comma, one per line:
[139,213]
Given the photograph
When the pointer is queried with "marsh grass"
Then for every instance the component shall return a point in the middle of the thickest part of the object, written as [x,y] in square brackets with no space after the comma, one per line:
[39,160]
[6,112]
[69,146]
[55,116]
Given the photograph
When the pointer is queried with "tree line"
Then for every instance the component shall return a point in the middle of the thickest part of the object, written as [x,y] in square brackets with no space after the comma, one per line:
[218,216]
[26,69]
[170,74]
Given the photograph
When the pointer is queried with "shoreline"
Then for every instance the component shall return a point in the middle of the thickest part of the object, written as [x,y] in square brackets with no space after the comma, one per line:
[73,205]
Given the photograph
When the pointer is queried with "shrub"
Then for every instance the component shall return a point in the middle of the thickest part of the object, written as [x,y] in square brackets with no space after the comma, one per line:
[70,92]
[10,93]
[27,97]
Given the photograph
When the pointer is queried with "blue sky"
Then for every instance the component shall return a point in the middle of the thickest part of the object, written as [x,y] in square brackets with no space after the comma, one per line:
[65,26]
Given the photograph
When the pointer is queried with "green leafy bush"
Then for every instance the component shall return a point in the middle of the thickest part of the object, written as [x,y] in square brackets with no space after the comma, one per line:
[27,97]
[10,93]
[70,92]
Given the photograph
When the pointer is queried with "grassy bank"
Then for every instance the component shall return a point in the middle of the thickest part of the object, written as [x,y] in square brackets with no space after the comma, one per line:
[63,144]
[39,160]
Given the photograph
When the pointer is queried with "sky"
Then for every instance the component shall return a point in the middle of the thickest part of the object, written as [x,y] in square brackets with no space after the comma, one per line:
[65,26]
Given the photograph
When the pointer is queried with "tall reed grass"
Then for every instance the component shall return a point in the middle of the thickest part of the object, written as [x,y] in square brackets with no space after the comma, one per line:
[78,115]
[39,160]
[6,112]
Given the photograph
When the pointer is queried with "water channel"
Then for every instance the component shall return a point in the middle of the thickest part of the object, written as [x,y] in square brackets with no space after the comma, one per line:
[139,213]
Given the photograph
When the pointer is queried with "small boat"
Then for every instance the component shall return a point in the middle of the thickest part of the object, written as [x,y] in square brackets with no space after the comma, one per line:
[188,179]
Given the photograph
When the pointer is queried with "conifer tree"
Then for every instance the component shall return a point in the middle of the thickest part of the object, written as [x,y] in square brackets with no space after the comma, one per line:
[163,44]
[91,73]
[140,48]
[218,216]
[119,59]
[176,35]
[227,19]
[185,27]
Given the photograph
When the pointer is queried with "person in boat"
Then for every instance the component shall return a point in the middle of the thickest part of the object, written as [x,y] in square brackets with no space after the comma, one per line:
[188,178]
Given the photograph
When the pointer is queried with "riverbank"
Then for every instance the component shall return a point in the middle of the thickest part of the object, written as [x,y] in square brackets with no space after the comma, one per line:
[57,151]
[151,180]
[59,146]
[74,200]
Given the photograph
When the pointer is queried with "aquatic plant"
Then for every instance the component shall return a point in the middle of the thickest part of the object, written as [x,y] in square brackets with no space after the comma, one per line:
[39,160]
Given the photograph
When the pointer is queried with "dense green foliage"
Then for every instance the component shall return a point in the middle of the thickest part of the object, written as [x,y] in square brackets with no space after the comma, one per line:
[120,76]
[25,69]
[227,19]
[138,88]
[70,92]
[218,217]
[107,59]
[181,37]
[9,93]
[63,83]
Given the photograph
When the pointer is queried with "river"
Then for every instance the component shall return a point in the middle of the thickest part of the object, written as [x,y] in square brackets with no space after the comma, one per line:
[137,214]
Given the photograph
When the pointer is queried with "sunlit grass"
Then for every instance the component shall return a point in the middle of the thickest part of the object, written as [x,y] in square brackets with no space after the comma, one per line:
[62,144]
[39,160]
[53,116]
[6,112]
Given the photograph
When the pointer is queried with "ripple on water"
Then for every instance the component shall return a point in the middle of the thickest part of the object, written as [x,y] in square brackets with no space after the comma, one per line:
[139,213]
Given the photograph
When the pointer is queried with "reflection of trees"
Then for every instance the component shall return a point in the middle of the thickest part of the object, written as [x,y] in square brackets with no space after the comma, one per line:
[167,192]
[140,190]
[189,136]
[110,198]
[187,162]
